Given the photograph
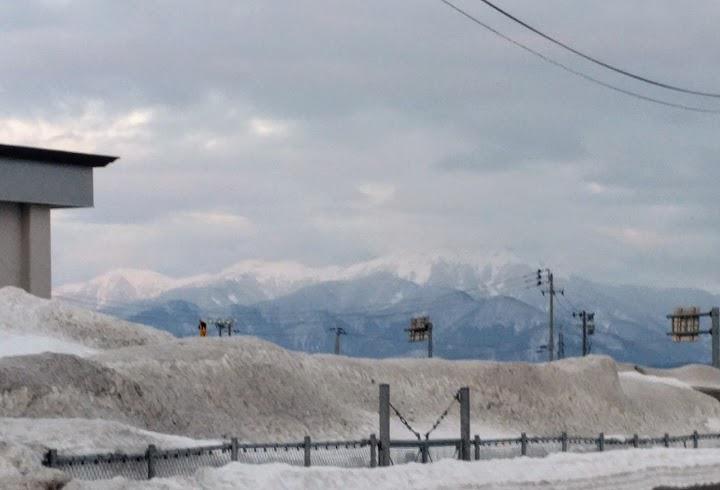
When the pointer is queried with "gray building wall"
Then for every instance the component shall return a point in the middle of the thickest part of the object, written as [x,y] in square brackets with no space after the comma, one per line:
[25,247]
[46,183]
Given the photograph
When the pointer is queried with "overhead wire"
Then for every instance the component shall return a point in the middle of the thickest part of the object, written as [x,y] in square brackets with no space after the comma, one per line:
[577,72]
[597,61]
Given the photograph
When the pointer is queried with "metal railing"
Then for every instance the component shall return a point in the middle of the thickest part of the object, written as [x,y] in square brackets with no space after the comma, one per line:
[361,453]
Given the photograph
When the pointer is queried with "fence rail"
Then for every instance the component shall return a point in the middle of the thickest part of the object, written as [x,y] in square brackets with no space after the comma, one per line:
[155,462]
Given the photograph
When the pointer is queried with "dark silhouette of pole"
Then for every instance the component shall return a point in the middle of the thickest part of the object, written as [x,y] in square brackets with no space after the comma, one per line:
[338,332]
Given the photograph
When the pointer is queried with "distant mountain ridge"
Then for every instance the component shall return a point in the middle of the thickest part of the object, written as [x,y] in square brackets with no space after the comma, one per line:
[488,309]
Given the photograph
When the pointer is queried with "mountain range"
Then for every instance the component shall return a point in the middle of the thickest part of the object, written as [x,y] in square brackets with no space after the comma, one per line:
[481,308]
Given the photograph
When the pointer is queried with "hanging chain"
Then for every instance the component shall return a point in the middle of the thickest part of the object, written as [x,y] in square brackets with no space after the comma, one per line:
[405,422]
[456,398]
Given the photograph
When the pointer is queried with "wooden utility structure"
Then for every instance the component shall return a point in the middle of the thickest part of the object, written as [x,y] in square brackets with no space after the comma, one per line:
[420,330]
[685,327]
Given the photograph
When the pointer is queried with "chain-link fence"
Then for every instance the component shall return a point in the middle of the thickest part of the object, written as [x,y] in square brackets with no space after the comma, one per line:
[156,462]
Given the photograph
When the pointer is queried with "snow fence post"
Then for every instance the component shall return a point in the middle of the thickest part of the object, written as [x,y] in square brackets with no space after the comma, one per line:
[601,442]
[424,450]
[523,444]
[306,447]
[384,410]
[636,442]
[150,456]
[695,438]
[234,449]
[373,451]
[564,442]
[666,440]
[476,443]
[464,423]
[51,458]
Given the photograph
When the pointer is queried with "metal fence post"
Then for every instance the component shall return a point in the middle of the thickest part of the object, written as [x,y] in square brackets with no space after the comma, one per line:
[715,334]
[384,451]
[234,449]
[51,458]
[424,449]
[564,442]
[476,443]
[373,451]
[523,444]
[695,438]
[465,423]
[636,442]
[601,442]
[666,440]
[306,447]
[150,456]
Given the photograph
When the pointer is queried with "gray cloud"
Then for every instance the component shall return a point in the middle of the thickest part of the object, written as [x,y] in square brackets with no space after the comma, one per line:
[334,131]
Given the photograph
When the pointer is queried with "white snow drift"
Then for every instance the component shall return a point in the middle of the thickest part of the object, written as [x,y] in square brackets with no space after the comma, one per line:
[57,327]
[136,379]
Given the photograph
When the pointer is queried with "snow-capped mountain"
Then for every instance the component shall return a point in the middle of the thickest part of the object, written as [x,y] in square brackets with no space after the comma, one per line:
[117,286]
[249,281]
[481,307]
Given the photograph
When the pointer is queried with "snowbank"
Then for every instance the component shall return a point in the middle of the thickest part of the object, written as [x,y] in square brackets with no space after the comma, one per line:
[22,314]
[19,345]
[636,469]
[24,441]
[258,391]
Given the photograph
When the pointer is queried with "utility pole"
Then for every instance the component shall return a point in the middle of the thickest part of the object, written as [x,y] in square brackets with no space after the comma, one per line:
[588,328]
[551,291]
[420,329]
[686,327]
[338,332]
[561,345]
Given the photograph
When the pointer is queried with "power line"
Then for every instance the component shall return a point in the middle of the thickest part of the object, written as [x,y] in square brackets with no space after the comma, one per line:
[597,61]
[577,72]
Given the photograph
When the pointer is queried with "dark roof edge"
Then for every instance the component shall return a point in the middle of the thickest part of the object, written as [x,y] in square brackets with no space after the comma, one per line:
[55,156]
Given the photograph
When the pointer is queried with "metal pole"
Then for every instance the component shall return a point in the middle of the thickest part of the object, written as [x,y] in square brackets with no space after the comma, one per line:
[551,340]
[430,344]
[715,315]
[601,442]
[584,327]
[477,447]
[465,423]
[564,442]
[306,447]
[234,449]
[695,438]
[384,452]
[150,456]
[51,458]
[373,451]
[523,444]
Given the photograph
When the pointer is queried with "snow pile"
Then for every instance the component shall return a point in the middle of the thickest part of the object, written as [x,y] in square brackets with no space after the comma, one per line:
[18,345]
[633,469]
[58,327]
[211,387]
[24,441]
[695,375]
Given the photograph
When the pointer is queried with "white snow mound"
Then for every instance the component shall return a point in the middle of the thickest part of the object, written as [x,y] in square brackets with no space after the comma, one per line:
[58,327]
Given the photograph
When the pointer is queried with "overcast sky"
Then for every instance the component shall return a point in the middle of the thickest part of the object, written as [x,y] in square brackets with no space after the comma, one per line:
[335,131]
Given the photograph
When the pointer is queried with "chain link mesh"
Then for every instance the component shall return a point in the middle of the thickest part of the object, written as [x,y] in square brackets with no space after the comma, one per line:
[349,454]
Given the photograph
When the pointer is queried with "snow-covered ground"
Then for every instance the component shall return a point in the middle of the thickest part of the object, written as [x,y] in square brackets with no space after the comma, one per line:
[19,345]
[630,469]
[88,383]
[22,315]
